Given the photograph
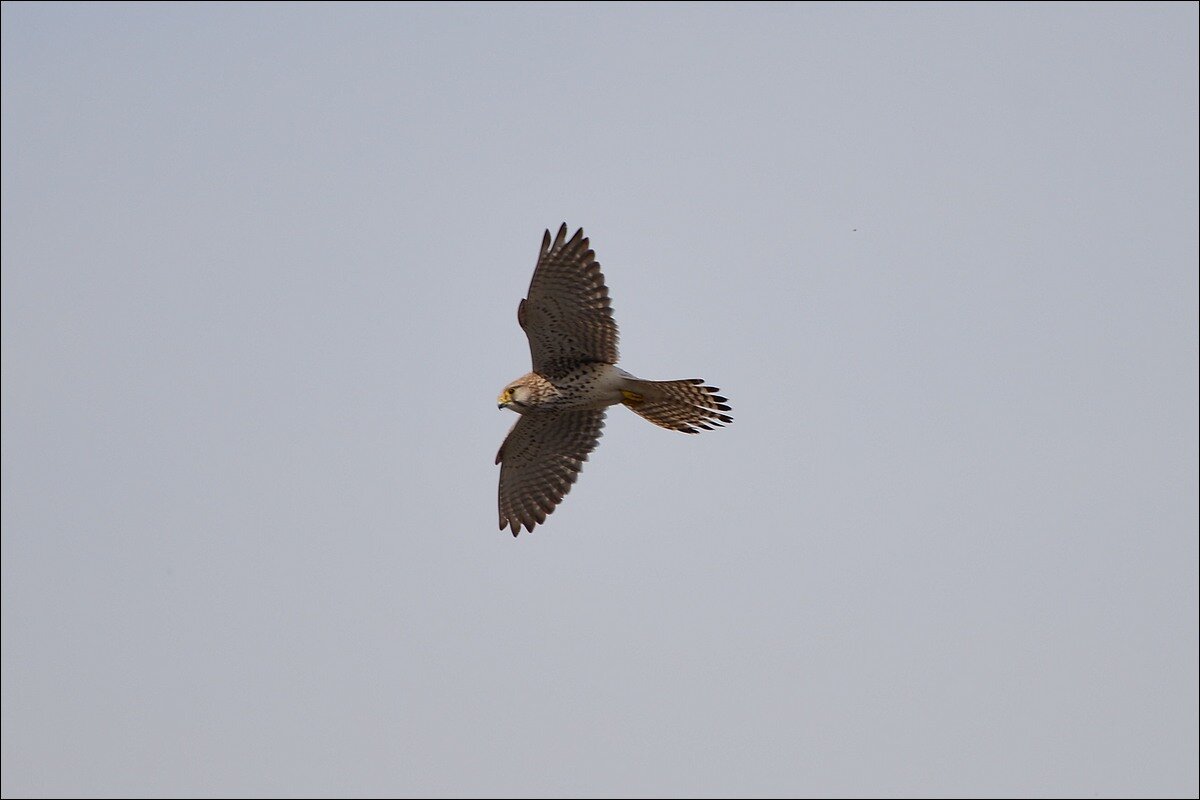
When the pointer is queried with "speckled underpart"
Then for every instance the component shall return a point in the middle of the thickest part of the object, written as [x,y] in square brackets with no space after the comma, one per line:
[567,317]
[589,386]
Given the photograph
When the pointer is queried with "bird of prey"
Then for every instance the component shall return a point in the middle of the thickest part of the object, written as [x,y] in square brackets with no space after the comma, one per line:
[573,340]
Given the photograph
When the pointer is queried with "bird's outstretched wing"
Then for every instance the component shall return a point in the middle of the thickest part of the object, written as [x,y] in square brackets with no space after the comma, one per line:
[540,459]
[567,314]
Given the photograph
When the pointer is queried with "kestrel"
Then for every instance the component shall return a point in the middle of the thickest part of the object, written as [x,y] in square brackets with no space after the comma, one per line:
[573,339]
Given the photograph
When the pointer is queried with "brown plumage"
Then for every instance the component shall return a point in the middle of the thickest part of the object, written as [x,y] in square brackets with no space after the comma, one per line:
[685,405]
[567,317]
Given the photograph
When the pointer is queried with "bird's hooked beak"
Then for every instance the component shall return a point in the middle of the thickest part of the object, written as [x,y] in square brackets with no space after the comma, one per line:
[504,399]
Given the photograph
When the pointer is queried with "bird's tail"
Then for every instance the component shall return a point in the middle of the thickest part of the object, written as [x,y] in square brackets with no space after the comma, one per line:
[686,405]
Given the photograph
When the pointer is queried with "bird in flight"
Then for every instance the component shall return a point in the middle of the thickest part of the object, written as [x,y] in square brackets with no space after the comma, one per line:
[568,320]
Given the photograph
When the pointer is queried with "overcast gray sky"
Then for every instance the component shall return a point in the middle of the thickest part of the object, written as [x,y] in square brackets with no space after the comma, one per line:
[260,274]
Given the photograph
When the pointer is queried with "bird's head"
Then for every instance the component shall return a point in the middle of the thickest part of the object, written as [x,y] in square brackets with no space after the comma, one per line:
[527,392]
[516,396]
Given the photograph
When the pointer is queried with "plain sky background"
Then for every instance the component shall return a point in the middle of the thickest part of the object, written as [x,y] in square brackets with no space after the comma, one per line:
[261,267]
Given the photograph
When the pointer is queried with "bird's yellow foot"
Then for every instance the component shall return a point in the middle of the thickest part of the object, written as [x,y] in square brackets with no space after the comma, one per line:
[631,398]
